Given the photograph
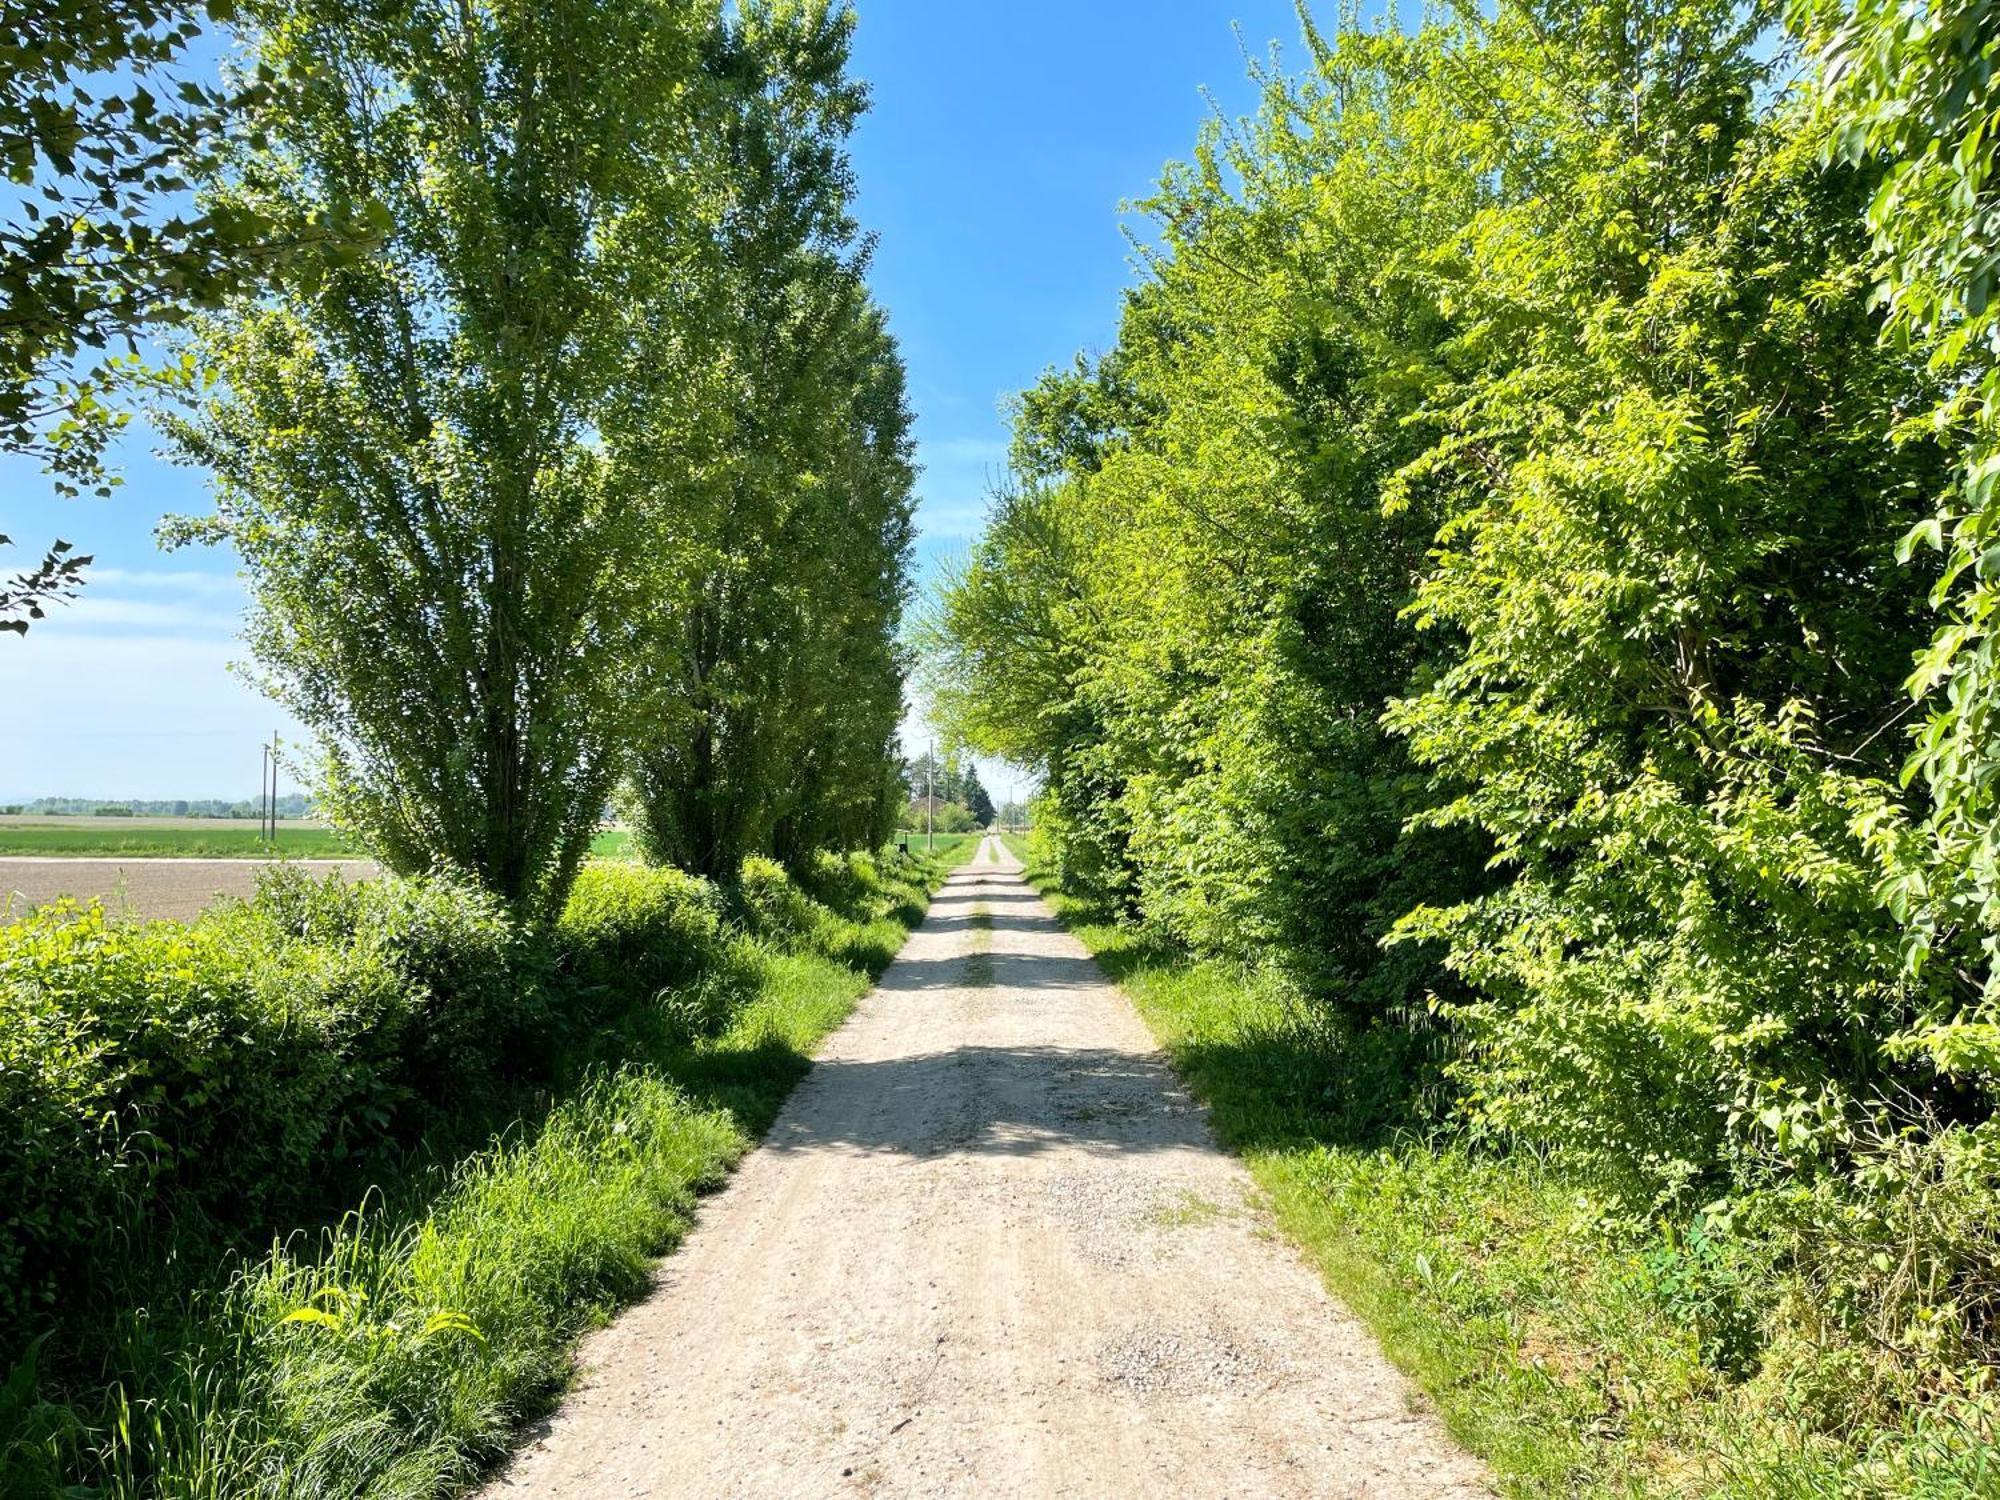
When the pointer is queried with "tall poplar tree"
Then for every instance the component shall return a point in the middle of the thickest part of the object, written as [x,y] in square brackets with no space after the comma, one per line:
[417,455]
[776,682]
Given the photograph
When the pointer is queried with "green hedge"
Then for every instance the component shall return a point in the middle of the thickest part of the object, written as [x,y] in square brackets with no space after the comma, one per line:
[167,1082]
[172,1094]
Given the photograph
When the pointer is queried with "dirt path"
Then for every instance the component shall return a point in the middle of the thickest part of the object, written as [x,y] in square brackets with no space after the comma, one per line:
[988,1250]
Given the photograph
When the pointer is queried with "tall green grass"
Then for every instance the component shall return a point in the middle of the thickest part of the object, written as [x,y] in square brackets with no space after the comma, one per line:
[952,846]
[1580,1354]
[396,1352]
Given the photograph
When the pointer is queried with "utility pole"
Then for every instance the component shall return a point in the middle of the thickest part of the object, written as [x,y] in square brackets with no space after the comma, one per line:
[263,786]
[930,797]
[270,818]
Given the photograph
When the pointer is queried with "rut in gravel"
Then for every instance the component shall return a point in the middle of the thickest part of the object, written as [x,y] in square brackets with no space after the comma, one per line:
[989,1248]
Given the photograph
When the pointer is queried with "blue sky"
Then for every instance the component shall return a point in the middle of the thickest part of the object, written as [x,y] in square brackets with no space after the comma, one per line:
[1001,142]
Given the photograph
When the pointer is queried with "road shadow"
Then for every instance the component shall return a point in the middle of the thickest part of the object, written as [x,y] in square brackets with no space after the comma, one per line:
[1304,1078]
[1007,1101]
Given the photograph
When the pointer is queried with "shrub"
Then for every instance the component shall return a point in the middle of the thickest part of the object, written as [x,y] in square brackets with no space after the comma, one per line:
[769,904]
[634,933]
[941,817]
[842,881]
[206,1081]
[475,989]
[162,1074]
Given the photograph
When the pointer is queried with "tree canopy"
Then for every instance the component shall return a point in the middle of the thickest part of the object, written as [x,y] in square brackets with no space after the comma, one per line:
[102,137]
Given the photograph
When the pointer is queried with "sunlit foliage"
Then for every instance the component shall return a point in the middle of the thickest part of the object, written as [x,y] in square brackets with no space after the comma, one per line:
[601,463]
[1478,590]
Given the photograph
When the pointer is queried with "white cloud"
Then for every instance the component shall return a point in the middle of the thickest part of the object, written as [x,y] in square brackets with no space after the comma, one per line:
[951,520]
[97,613]
[122,600]
[122,695]
[184,581]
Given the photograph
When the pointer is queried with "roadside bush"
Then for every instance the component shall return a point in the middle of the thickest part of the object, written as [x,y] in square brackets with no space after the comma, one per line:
[770,904]
[1896,1293]
[846,907]
[196,1085]
[633,933]
[841,881]
[476,995]
[160,1076]
[524,1109]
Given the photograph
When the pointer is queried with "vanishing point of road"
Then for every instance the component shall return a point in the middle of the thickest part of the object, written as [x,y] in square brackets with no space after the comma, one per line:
[988,1249]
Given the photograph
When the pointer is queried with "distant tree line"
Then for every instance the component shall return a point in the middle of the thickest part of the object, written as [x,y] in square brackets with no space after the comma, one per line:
[291,805]
[945,795]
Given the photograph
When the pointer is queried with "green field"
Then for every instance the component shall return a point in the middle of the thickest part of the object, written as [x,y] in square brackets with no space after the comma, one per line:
[198,838]
[947,843]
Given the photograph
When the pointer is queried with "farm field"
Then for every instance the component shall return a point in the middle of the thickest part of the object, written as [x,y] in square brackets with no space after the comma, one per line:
[84,837]
[144,838]
[146,888]
[948,844]
[147,868]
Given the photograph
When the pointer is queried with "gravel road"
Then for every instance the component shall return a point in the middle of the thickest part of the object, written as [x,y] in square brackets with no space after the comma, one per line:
[150,887]
[989,1249]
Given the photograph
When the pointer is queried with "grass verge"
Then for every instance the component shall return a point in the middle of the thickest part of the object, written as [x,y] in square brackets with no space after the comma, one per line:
[1575,1352]
[397,1353]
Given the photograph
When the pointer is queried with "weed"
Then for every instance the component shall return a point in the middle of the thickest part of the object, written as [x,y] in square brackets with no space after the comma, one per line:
[978,970]
[1185,1212]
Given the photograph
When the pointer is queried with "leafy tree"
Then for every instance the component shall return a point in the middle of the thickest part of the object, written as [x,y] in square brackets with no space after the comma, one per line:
[922,816]
[1188,613]
[423,458]
[1004,648]
[101,135]
[58,576]
[974,796]
[1492,463]
[927,779]
[1668,553]
[779,683]
[1912,88]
